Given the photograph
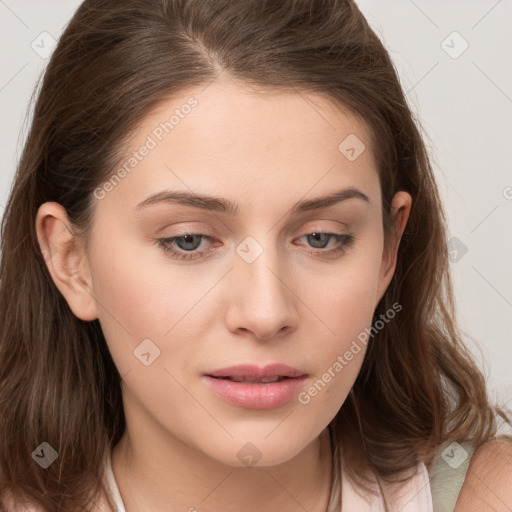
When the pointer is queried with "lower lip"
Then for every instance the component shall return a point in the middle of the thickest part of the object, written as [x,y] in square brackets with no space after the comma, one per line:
[253,395]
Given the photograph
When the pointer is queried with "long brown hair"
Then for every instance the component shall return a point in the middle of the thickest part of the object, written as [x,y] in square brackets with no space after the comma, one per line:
[116,61]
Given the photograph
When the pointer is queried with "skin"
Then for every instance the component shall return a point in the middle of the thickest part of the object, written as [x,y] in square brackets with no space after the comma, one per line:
[291,305]
[487,486]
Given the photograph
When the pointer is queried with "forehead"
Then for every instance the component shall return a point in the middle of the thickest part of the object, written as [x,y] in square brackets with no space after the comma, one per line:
[227,136]
[267,115]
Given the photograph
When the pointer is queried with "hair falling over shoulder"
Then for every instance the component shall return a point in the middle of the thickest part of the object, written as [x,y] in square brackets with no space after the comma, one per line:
[419,385]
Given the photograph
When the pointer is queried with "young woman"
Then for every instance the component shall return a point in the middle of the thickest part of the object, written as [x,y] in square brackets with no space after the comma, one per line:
[224,277]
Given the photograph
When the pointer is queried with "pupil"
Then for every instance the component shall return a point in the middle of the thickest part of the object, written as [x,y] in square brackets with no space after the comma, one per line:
[189,239]
[316,239]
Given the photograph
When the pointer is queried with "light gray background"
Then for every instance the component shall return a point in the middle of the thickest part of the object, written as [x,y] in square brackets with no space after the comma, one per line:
[465,106]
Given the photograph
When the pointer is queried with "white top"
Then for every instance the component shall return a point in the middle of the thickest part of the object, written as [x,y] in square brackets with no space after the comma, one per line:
[113,490]
[412,496]
[428,490]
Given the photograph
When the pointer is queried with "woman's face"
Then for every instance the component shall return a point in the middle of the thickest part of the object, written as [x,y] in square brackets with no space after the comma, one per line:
[247,284]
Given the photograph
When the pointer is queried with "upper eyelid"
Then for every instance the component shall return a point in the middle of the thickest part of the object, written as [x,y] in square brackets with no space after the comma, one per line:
[207,235]
[324,229]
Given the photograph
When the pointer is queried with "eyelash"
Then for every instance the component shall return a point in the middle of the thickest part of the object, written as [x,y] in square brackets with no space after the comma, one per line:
[344,240]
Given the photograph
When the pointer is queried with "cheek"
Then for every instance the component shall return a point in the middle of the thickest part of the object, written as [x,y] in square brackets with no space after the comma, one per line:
[346,296]
[143,296]
[338,360]
[345,308]
[133,299]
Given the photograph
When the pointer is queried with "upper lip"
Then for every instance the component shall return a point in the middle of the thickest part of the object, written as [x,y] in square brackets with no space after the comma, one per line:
[248,371]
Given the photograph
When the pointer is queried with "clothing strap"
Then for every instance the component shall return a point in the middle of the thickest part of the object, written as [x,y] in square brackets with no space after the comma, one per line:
[411,496]
[113,494]
[448,472]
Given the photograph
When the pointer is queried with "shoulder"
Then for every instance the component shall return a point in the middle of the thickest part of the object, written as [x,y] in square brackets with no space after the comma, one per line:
[488,482]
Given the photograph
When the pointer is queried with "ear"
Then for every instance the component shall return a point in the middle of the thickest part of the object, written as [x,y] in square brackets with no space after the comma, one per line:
[400,210]
[66,260]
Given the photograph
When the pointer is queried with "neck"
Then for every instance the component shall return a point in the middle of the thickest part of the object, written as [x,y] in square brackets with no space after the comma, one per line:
[158,472]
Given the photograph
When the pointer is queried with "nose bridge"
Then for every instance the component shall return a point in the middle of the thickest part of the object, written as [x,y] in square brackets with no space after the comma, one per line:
[263,302]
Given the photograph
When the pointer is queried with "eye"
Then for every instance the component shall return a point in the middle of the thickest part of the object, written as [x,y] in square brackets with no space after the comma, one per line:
[320,240]
[189,243]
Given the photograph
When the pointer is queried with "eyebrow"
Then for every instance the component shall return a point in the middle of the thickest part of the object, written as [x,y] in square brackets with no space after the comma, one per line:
[222,205]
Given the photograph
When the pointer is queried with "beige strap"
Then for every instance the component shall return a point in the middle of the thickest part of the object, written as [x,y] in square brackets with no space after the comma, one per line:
[447,474]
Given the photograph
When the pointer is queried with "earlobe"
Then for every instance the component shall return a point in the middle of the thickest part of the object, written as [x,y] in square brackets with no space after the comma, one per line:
[66,260]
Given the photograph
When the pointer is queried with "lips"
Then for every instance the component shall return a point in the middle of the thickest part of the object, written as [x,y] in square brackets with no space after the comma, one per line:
[250,373]
[252,387]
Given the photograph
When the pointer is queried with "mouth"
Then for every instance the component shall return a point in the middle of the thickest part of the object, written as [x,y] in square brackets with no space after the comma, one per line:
[267,380]
[252,373]
[253,387]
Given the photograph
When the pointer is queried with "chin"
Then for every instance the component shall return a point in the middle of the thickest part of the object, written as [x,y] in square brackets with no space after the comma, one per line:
[259,452]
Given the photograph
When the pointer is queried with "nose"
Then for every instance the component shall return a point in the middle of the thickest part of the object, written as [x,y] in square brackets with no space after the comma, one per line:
[262,301]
